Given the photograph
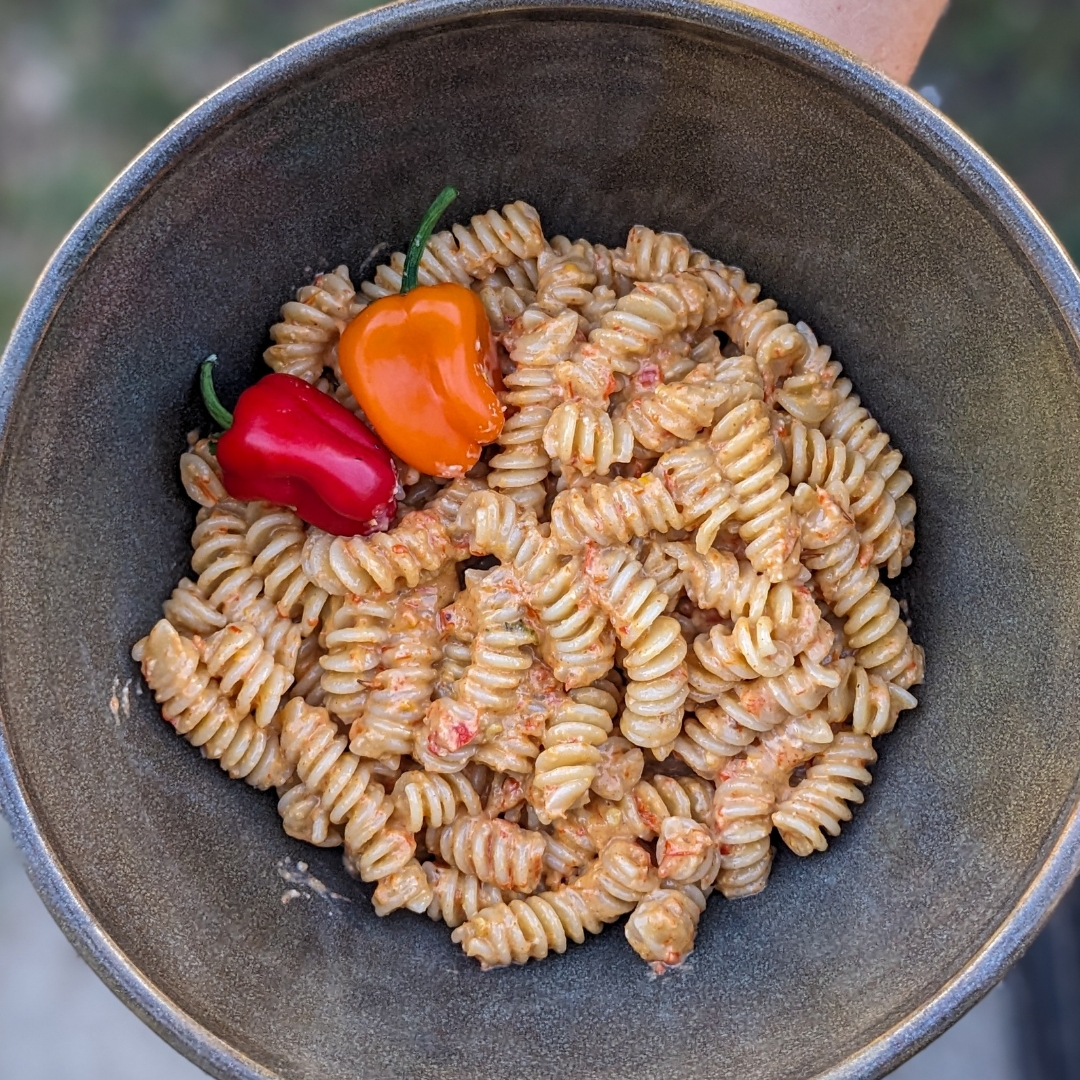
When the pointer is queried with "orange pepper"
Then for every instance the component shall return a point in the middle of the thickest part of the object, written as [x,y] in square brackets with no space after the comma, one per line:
[423,367]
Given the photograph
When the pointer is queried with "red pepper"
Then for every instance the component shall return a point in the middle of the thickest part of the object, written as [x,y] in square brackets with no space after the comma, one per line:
[291,444]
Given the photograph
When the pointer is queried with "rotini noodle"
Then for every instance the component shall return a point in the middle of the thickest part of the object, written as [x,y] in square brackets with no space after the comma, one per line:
[305,341]
[590,677]
[420,544]
[375,847]
[192,702]
[236,656]
[662,928]
[457,897]
[531,928]
[819,803]
[496,851]
[613,513]
[749,457]
[401,690]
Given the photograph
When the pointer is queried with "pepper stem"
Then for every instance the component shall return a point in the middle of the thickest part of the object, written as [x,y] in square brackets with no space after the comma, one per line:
[217,411]
[419,241]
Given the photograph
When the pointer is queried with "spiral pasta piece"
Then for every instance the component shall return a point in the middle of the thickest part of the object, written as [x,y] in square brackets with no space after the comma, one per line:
[304,818]
[820,462]
[649,255]
[190,612]
[656,687]
[571,846]
[710,739]
[808,394]
[686,853]
[676,411]
[607,514]
[496,851]
[877,704]
[584,436]
[407,888]
[229,584]
[401,690]
[422,799]
[574,634]
[504,305]
[521,467]
[192,702]
[637,324]
[662,928]
[305,341]
[749,457]
[220,556]
[853,425]
[354,639]
[420,544]
[566,768]
[721,581]
[623,591]
[875,498]
[743,825]
[642,811]
[487,690]
[504,240]
[531,928]
[374,847]
[820,802]
[701,493]
[749,651]
[761,330]
[275,538]
[457,897]
[872,627]
[457,628]
[566,279]
[619,768]
[236,656]
[200,473]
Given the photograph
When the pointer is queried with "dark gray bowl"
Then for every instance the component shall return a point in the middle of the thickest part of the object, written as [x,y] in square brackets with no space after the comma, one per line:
[866,214]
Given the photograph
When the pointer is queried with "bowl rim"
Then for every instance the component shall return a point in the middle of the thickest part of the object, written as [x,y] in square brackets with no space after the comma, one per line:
[908,114]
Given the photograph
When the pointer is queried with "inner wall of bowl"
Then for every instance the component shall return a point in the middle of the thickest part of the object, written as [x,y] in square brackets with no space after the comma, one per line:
[951,342]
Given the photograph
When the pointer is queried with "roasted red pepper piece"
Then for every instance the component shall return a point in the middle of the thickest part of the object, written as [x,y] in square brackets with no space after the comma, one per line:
[291,444]
[424,368]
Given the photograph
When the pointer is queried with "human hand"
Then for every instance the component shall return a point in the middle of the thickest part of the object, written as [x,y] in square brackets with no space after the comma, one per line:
[890,34]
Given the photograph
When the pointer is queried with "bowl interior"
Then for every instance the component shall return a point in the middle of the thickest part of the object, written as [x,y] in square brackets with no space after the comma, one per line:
[601,120]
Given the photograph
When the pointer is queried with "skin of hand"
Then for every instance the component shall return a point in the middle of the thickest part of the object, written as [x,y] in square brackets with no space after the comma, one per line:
[890,34]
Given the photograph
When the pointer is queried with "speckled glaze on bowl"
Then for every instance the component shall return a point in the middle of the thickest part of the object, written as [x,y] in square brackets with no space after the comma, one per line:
[866,214]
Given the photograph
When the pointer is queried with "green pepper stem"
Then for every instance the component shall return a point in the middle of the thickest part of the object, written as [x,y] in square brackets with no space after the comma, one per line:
[217,411]
[419,241]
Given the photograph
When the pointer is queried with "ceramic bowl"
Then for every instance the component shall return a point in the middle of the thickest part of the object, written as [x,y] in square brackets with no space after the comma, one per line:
[866,214]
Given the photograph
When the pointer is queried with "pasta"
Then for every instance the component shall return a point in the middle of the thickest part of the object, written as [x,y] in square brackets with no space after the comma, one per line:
[597,672]
[193,702]
[662,927]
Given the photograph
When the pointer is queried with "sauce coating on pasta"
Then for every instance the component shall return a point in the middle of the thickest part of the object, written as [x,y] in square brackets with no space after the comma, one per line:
[648,634]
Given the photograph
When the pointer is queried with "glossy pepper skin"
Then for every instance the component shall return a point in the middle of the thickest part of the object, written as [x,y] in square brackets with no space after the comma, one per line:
[423,367]
[293,445]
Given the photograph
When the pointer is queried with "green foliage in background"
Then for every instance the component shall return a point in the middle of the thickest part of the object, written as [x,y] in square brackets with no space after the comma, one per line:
[84,84]
[1009,74]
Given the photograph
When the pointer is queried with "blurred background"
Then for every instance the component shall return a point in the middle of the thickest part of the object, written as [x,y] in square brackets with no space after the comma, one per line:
[84,84]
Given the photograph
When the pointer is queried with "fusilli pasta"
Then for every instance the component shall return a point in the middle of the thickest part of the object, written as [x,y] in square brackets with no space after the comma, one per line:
[592,677]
